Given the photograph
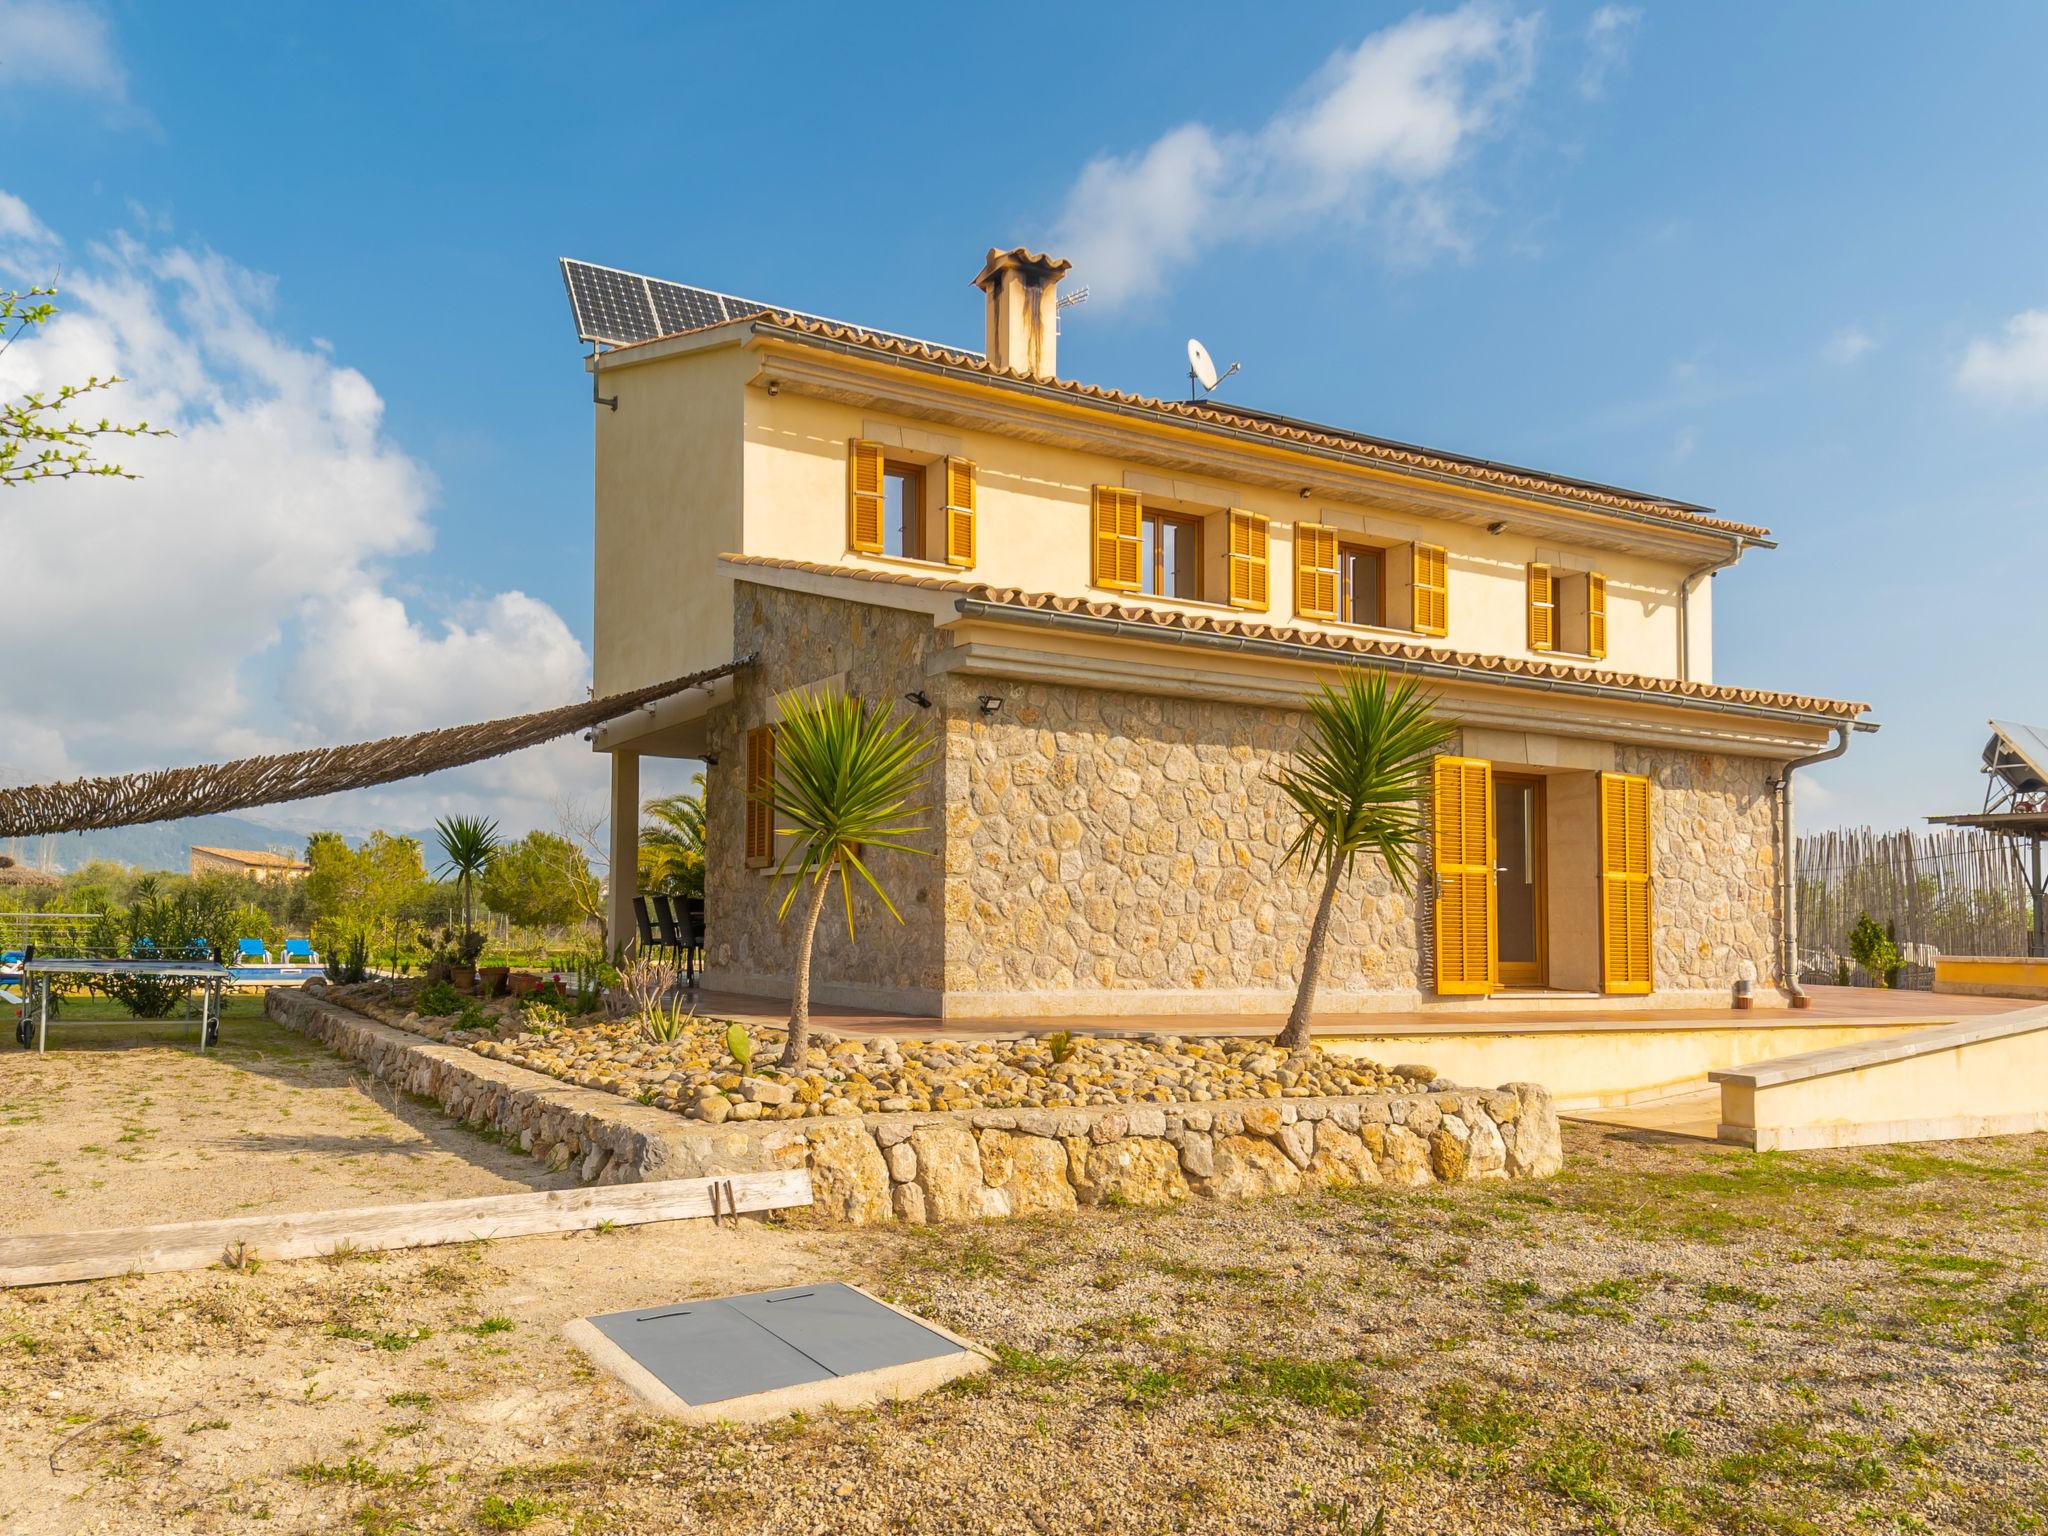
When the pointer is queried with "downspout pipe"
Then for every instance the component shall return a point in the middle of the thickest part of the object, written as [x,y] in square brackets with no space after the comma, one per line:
[1788,873]
[1686,586]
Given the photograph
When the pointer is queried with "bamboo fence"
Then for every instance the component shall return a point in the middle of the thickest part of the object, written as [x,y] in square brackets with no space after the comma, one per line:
[1946,890]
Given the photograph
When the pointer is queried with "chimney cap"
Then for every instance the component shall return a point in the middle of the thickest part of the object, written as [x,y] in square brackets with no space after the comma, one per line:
[1032,266]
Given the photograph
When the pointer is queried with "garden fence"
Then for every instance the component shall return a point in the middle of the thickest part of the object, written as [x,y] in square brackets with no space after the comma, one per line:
[1944,891]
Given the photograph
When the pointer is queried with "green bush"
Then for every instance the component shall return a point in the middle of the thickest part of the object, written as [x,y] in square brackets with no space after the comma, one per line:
[437,1001]
[1874,950]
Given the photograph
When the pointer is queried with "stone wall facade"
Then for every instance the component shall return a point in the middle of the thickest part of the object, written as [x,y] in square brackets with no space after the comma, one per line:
[1102,851]
[978,1163]
[806,642]
[1714,872]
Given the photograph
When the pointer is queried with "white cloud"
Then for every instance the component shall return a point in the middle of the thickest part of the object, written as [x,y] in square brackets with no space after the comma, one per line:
[2012,367]
[1848,345]
[63,45]
[20,229]
[1610,32]
[242,595]
[1374,137]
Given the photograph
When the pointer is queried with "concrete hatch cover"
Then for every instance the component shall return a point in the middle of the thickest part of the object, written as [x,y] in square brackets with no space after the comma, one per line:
[769,1353]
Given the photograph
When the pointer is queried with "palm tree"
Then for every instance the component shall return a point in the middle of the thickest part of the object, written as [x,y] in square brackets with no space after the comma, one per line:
[1357,782]
[672,842]
[844,778]
[468,844]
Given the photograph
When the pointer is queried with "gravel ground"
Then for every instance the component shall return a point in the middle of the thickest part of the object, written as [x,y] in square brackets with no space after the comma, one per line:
[1668,1337]
[124,1123]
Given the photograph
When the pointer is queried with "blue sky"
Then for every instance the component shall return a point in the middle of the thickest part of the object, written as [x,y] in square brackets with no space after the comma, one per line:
[1788,261]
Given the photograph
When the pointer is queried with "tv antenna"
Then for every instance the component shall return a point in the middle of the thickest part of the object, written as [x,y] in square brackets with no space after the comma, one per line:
[1067,301]
[1202,375]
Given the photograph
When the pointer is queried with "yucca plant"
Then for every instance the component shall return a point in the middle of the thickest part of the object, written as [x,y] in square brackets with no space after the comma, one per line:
[1358,781]
[844,786]
[468,844]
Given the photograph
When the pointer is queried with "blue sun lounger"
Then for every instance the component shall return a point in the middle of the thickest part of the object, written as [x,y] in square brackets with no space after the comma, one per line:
[300,952]
[251,952]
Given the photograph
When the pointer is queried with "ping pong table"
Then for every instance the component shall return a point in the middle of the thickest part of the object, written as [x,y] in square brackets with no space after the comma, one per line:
[40,978]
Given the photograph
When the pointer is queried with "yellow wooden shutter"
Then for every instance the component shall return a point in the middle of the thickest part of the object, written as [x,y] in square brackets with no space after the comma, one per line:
[1119,518]
[959,512]
[1462,844]
[1315,571]
[1432,593]
[1249,586]
[1596,614]
[864,496]
[1624,882]
[760,781]
[1542,609]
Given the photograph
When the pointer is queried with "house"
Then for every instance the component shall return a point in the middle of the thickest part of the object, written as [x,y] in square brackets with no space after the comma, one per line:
[253,862]
[1108,609]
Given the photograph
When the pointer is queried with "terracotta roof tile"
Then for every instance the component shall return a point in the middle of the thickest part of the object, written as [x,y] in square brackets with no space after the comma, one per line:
[1399,455]
[1483,667]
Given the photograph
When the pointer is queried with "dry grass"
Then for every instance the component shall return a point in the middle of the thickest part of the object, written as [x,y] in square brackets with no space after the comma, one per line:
[1669,1338]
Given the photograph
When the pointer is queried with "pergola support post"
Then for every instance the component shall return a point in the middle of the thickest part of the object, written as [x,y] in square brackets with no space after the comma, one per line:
[625,851]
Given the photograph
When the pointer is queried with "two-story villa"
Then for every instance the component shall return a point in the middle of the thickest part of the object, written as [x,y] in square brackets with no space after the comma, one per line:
[1108,610]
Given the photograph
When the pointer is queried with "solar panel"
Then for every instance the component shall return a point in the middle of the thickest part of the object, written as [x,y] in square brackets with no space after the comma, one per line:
[615,309]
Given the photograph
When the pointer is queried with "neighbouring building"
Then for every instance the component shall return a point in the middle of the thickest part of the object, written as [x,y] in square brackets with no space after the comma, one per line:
[253,862]
[1108,609]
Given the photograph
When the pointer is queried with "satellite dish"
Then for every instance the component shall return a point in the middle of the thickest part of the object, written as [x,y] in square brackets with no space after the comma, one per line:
[1200,368]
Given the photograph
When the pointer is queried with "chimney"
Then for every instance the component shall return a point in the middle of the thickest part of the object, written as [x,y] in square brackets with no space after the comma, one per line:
[1023,325]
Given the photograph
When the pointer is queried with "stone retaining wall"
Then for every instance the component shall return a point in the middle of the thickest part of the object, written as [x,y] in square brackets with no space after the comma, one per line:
[977,1163]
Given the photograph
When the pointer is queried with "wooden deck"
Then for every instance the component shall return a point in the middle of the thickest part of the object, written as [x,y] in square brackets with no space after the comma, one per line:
[1831,1006]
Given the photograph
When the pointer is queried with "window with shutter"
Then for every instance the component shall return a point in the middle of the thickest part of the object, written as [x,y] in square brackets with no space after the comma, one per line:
[1249,585]
[1432,606]
[1462,854]
[760,834]
[864,496]
[1119,533]
[1542,609]
[1624,883]
[1596,614]
[1316,576]
[959,512]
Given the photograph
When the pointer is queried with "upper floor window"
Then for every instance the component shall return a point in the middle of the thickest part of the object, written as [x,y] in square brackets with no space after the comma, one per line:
[1362,584]
[903,510]
[1171,560]
[908,507]
[1380,586]
[1567,611]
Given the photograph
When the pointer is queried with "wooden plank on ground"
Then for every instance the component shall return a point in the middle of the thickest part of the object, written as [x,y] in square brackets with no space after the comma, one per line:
[49,1258]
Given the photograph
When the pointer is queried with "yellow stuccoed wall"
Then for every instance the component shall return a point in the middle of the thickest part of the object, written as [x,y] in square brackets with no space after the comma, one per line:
[697,462]
[1034,531]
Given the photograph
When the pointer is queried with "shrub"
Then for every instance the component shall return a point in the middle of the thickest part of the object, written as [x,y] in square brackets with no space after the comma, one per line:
[438,1001]
[1874,950]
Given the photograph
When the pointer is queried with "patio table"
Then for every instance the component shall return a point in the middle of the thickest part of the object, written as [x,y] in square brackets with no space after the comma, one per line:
[40,976]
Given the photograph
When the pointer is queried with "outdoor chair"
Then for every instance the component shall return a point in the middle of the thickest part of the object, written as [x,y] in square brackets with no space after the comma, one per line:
[644,923]
[693,930]
[664,910]
[251,952]
[300,952]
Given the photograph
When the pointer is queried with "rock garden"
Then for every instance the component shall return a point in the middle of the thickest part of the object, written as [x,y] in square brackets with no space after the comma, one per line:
[897,1130]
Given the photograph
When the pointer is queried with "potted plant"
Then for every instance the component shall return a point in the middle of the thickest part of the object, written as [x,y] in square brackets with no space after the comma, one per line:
[492,979]
[462,973]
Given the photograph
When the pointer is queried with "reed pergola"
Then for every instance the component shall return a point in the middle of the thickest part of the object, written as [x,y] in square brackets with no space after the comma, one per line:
[84,805]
